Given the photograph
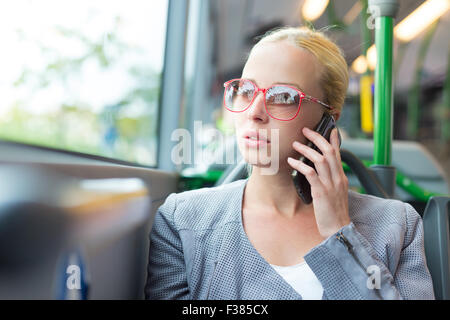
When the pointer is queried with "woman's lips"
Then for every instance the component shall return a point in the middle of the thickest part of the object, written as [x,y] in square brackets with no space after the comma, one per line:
[253,143]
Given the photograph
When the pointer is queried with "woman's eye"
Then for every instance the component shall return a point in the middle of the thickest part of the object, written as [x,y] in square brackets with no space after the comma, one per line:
[283,99]
[244,92]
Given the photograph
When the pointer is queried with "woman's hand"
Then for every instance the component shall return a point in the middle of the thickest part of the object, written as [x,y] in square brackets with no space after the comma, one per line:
[329,185]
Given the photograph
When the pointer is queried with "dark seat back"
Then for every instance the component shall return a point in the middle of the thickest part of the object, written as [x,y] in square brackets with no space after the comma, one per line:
[50,223]
[437,244]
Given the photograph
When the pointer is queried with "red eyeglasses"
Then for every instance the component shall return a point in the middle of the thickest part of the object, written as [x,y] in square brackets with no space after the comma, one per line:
[282,102]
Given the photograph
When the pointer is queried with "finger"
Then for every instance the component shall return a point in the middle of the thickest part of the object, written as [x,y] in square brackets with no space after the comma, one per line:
[329,152]
[307,171]
[320,162]
[336,145]
[339,178]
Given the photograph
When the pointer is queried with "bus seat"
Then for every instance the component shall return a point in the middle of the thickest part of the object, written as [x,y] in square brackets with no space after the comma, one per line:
[33,233]
[45,216]
[437,244]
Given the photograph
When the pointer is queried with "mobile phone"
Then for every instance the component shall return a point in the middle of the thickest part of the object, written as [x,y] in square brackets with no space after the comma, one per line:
[324,127]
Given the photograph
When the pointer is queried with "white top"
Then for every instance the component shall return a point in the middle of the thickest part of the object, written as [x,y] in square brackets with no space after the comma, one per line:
[302,279]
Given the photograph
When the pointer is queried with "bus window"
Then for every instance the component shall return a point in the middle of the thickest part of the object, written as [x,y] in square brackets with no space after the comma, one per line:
[83,76]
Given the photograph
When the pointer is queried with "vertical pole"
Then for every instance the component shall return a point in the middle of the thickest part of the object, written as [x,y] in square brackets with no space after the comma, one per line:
[384,11]
[383,92]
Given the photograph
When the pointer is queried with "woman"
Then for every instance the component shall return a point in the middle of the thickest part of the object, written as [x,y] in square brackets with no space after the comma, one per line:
[255,238]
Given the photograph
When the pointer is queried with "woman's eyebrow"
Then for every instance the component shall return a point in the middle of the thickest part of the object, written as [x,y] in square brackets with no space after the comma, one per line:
[252,80]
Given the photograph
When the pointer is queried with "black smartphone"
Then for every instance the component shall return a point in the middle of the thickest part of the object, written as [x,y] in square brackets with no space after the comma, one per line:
[324,127]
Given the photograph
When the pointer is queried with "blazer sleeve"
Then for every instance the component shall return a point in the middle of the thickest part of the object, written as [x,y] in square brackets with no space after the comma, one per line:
[166,270]
[348,267]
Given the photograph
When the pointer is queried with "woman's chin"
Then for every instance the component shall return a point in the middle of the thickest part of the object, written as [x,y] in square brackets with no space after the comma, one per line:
[256,158]
[260,165]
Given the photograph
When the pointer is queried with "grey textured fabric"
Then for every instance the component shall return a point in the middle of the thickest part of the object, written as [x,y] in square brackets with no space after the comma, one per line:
[199,250]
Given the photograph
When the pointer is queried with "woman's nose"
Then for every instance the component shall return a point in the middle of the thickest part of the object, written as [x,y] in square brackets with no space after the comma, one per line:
[257,108]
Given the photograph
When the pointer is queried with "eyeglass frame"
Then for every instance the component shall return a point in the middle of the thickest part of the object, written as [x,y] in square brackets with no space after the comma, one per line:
[264,90]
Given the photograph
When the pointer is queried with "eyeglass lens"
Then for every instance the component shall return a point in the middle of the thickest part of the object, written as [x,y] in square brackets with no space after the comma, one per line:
[282,102]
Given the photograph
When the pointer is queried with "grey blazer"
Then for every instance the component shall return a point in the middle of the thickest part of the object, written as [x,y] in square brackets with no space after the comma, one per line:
[199,250]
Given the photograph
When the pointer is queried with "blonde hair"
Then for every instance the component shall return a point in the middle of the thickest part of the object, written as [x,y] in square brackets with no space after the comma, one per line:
[334,77]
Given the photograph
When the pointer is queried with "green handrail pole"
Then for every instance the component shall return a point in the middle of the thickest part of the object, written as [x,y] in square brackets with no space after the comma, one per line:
[384,12]
[383,99]
[383,93]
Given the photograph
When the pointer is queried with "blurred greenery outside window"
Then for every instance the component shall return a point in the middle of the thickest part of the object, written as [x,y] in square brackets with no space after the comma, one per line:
[83,75]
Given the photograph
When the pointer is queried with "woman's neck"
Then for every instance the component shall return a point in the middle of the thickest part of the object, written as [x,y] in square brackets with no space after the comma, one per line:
[274,192]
